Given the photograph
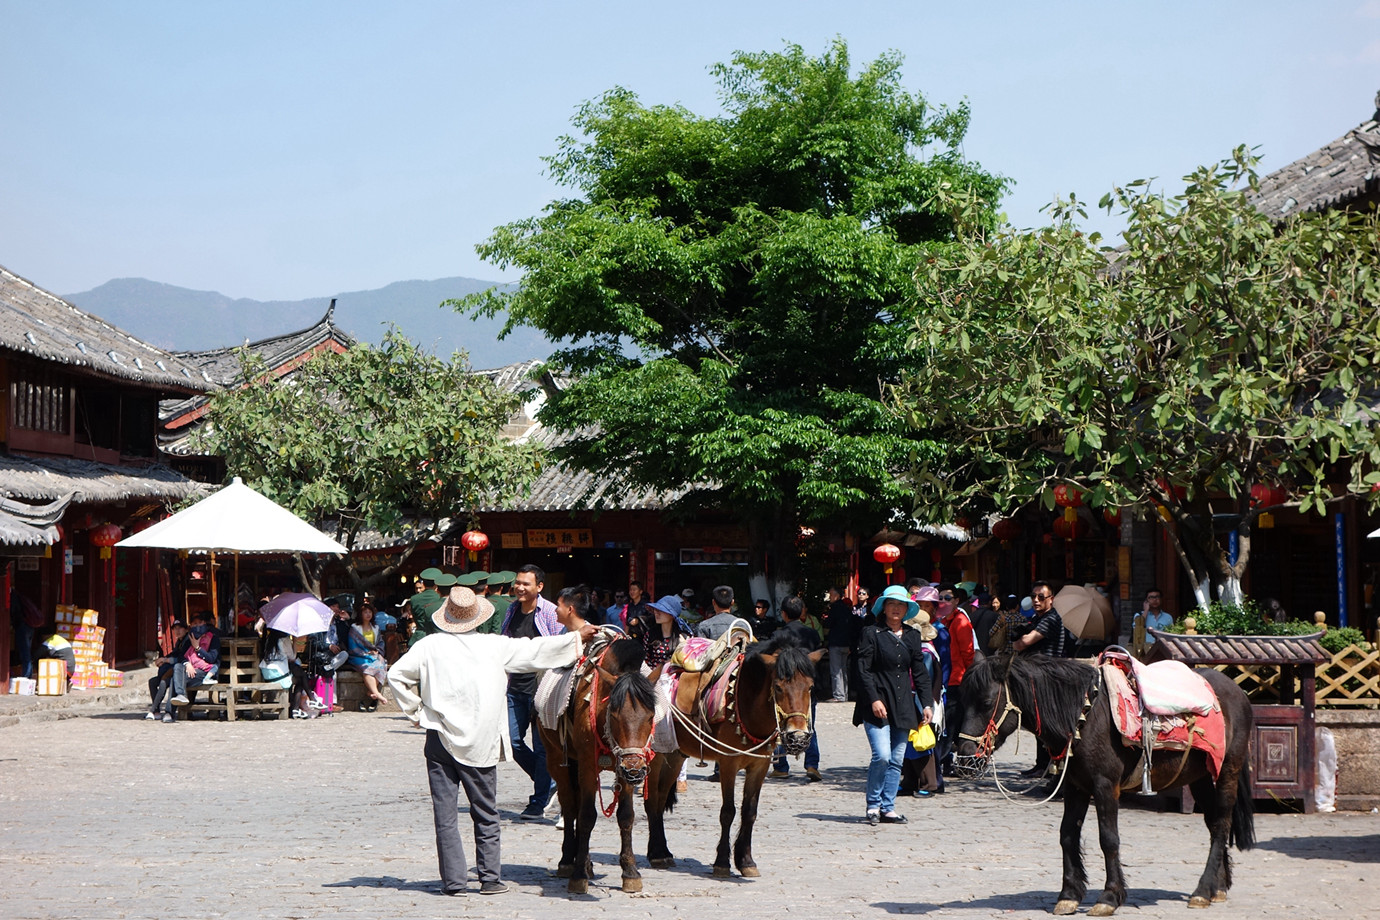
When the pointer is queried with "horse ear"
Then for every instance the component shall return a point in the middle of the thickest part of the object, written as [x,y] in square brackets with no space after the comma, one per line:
[656,673]
[608,677]
[816,655]
[769,659]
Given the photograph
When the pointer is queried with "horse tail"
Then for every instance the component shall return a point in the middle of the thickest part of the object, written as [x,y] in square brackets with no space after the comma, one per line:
[1242,833]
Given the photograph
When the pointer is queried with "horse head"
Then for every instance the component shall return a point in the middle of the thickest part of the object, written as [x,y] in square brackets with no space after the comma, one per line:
[629,710]
[792,674]
[987,714]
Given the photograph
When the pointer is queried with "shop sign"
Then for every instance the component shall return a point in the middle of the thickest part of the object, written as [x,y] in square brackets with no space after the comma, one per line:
[511,540]
[551,539]
[713,555]
[28,563]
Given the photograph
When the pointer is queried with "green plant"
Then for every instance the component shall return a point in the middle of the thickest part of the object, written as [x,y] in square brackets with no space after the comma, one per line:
[1334,640]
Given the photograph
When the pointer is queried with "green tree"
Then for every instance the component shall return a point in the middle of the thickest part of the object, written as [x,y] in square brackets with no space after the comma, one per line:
[1215,351]
[374,438]
[730,292]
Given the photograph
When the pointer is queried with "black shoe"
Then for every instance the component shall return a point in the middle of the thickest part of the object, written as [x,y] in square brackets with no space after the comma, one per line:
[532,812]
[893,818]
[453,891]
[873,818]
[493,888]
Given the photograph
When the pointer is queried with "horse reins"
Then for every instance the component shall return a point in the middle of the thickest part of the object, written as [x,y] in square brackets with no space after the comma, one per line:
[721,748]
[604,743]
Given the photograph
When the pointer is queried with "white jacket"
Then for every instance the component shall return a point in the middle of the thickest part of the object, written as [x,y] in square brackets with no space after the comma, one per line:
[457,684]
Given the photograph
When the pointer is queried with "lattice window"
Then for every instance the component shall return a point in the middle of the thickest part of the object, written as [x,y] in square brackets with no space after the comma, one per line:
[40,400]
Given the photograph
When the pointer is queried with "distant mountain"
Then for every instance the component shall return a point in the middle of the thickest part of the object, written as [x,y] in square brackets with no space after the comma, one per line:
[180,319]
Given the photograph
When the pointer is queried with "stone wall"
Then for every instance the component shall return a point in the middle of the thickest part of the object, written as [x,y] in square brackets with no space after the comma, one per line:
[1357,734]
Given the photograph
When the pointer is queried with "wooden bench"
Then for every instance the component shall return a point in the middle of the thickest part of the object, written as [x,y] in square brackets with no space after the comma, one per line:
[239,689]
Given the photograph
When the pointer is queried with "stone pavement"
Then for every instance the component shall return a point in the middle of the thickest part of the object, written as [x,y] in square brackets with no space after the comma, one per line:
[109,816]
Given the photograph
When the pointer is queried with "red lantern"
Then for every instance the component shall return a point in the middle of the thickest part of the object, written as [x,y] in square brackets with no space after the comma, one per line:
[1070,530]
[1112,516]
[475,541]
[105,536]
[1006,530]
[1178,493]
[1267,496]
[1067,496]
[886,554]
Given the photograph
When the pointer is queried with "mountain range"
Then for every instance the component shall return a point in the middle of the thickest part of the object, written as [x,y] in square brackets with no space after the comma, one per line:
[180,319]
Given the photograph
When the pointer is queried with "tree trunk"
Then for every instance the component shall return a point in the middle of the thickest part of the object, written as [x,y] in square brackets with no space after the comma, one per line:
[773,566]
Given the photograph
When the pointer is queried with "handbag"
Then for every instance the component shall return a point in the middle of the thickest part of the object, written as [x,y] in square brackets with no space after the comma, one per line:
[922,738]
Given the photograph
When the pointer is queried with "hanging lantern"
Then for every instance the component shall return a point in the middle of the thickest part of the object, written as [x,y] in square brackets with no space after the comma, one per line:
[105,536]
[1267,496]
[1070,514]
[1112,516]
[1266,521]
[1006,530]
[1178,493]
[887,554]
[1067,496]
[1070,530]
[475,541]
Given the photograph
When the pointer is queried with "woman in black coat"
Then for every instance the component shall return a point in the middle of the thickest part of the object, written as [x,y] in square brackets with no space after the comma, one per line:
[891,673]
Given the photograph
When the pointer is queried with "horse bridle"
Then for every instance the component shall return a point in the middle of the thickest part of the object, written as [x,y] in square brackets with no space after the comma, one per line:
[986,742]
[606,740]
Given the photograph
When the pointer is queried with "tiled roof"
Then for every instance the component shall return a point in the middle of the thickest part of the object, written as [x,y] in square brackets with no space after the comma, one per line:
[1243,649]
[46,479]
[222,365]
[1334,176]
[38,323]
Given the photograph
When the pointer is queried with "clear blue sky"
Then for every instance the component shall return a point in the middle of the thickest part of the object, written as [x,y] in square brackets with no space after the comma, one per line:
[286,150]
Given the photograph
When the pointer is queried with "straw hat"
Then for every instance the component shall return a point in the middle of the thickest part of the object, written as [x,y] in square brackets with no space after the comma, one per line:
[463,611]
[921,623]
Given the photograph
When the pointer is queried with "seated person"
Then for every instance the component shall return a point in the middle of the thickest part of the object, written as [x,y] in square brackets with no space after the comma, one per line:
[57,646]
[161,682]
[200,662]
[364,642]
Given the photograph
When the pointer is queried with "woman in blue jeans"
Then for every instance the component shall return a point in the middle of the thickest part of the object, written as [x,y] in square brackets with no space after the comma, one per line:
[892,675]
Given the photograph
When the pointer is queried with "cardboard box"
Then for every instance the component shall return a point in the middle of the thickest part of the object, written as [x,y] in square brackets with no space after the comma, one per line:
[114,678]
[23,686]
[52,677]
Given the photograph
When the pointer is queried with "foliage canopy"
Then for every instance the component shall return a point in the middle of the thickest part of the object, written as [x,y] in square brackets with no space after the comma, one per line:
[730,293]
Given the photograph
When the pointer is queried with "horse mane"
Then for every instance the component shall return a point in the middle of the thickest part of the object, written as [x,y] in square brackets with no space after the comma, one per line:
[791,656]
[1058,686]
[627,656]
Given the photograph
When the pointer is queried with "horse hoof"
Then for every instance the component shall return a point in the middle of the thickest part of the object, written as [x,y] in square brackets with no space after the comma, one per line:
[1218,897]
[632,885]
[578,886]
[662,862]
[1066,907]
[750,872]
[1198,901]
[565,871]
[723,872]
[1102,910]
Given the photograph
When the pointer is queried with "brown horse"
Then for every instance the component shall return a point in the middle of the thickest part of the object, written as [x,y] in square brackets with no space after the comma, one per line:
[1051,697]
[608,725]
[769,705]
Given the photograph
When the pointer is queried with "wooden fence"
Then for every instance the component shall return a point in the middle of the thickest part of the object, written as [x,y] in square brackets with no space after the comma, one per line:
[1351,679]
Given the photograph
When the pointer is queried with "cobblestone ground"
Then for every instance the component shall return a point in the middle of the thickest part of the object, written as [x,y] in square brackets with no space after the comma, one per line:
[108,816]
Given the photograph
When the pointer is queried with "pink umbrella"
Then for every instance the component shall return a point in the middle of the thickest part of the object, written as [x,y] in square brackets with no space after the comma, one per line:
[297,614]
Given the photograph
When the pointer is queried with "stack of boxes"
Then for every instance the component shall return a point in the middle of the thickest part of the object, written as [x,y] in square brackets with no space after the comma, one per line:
[79,627]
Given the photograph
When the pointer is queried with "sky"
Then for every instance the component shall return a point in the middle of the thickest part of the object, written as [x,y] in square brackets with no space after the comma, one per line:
[289,150]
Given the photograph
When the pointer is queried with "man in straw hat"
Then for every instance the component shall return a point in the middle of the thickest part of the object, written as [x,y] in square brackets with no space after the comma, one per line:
[454,684]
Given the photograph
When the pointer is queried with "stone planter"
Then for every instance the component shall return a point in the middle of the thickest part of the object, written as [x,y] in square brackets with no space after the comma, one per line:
[1357,734]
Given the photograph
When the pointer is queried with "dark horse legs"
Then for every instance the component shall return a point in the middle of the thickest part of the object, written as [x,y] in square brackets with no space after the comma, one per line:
[1071,842]
[755,775]
[1218,801]
[661,792]
[1107,799]
[632,879]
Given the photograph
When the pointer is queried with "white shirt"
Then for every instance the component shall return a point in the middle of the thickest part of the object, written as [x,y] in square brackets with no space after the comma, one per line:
[457,684]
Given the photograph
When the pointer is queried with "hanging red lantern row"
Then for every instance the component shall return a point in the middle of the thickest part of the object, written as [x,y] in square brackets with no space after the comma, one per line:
[475,542]
[1070,499]
[106,536]
[1264,495]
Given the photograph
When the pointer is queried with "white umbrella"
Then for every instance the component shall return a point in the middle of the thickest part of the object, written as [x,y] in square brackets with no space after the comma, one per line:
[236,520]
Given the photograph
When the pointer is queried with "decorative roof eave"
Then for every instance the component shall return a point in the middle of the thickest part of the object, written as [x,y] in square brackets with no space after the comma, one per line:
[52,479]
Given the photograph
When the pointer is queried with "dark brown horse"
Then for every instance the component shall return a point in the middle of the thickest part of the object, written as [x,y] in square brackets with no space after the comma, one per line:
[1049,696]
[608,725]
[769,705]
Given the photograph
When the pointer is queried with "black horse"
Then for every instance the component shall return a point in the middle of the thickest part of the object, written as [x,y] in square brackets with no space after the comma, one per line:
[1060,700]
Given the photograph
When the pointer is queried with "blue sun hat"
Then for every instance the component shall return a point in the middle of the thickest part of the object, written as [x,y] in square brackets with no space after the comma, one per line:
[671,604]
[895,593]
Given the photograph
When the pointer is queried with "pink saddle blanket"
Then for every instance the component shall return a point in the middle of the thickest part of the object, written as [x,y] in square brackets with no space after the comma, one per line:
[1206,732]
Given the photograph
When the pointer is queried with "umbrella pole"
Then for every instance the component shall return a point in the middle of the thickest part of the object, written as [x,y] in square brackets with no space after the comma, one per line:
[215,607]
[234,617]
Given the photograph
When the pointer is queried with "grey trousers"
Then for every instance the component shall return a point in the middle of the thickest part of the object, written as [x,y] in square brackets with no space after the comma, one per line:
[446,775]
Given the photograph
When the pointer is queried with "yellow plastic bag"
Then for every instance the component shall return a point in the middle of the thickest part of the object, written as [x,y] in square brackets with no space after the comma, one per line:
[922,738]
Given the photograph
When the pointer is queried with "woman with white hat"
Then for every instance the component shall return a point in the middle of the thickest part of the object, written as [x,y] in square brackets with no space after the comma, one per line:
[891,675]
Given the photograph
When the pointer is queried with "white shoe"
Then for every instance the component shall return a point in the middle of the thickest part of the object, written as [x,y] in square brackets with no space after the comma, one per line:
[150,717]
[180,700]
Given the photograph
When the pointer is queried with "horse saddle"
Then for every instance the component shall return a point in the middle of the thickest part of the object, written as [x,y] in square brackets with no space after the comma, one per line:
[700,654]
[1165,688]
[706,689]
[556,689]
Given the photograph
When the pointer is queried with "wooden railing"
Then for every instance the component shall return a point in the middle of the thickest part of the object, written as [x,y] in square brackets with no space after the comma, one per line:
[1350,679]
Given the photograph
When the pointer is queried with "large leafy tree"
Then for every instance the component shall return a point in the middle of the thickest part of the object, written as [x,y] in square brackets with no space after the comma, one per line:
[730,292]
[371,439]
[1215,351]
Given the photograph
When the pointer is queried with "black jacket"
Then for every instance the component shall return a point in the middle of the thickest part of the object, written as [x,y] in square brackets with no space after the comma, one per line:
[890,669]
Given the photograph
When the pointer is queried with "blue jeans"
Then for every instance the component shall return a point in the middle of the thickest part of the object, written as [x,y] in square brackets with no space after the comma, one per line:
[522,715]
[884,772]
[811,752]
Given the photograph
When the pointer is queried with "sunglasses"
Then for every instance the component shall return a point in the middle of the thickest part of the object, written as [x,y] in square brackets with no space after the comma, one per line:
[1042,597]
[946,597]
